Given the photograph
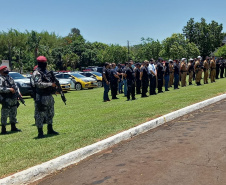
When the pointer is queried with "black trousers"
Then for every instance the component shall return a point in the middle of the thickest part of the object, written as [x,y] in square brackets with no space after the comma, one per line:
[114,86]
[144,88]
[222,73]
[225,71]
[160,83]
[152,84]
[138,86]
[217,73]
[130,89]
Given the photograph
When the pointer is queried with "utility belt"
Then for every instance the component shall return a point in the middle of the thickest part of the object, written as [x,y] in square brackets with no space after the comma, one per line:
[45,92]
[183,71]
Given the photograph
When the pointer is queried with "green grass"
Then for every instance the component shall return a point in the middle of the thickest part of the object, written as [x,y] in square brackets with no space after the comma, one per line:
[86,119]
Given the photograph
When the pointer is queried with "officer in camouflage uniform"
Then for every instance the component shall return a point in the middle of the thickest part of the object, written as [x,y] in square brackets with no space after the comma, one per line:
[8,100]
[44,101]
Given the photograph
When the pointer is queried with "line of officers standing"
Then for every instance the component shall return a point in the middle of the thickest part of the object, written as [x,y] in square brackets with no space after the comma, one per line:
[158,74]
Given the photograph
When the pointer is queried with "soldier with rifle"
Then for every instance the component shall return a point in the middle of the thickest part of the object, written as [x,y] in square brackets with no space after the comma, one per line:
[9,94]
[45,85]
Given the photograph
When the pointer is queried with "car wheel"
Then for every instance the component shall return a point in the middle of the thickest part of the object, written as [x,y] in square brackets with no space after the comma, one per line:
[99,84]
[78,86]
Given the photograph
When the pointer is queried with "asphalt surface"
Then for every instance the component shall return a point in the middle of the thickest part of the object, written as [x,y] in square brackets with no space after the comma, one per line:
[190,150]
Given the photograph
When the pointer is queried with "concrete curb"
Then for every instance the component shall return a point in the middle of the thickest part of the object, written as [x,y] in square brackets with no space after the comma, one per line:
[37,172]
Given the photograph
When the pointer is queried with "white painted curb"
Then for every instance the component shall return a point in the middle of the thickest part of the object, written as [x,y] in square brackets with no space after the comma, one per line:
[37,172]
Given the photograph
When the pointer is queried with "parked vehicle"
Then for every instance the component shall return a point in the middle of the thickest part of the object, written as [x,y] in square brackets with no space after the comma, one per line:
[94,68]
[93,74]
[79,81]
[65,84]
[22,83]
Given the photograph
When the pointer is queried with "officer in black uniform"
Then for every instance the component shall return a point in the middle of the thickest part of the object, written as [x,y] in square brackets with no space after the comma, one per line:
[217,68]
[144,79]
[176,69]
[221,67]
[106,81]
[137,78]
[166,75]
[114,81]
[160,73]
[130,76]
[152,76]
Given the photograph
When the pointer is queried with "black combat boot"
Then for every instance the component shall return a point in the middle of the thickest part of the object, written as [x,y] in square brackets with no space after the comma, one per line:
[50,130]
[3,130]
[190,83]
[40,133]
[14,129]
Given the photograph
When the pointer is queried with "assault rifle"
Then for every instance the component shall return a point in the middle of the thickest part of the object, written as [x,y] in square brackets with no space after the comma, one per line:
[17,94]
[59,89]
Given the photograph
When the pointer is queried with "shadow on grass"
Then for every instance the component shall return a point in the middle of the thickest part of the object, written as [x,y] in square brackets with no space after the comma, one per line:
[10,132]
[46,136]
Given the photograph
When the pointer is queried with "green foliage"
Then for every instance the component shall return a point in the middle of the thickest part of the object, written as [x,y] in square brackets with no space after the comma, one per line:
[207,37]
[177,47]
[221,52]
[148,49]
[73,51]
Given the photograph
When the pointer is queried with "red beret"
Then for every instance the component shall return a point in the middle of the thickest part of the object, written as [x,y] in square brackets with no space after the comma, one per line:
[41,59]
[2,67]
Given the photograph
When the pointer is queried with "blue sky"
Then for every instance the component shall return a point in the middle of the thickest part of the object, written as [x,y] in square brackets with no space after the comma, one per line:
[109,21]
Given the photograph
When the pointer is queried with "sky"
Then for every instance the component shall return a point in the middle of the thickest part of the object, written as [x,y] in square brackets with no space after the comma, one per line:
[109,21]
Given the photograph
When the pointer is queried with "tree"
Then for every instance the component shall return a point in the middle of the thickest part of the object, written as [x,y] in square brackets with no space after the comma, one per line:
[221,52]
[34,42]
[207,37]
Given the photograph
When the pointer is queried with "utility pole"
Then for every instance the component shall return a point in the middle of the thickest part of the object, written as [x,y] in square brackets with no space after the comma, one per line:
[128,49]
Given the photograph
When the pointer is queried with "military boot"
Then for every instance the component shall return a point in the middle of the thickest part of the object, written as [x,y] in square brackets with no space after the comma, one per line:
[40,133]
[50,130]
[3,130]
[14,129]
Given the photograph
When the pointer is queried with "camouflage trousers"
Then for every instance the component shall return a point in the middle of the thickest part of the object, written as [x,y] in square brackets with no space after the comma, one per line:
[9,109]
[44,110]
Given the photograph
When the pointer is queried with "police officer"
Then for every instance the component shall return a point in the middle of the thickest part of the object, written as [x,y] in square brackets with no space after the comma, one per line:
[166,75]
[130,76]
[206,70]
[171,72]
[114,81]
[212,69]
[198,70]
[124,79]
[137,78]
[152,76]
[119,72]
[217,68]
[106,81]
[183,70]
[176,69]
[144,79]
[8,100]
[221,67]
[160,73]
[44,101]
[190,70]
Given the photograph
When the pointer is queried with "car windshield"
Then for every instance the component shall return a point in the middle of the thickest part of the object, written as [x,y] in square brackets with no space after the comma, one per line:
[16,76]
[77,75]
[97,73]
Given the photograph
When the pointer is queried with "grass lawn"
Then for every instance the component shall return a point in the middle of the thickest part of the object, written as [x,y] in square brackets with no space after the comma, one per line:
[86,119]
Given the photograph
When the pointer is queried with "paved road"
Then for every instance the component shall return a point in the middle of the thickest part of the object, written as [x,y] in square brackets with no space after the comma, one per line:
[190,150]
